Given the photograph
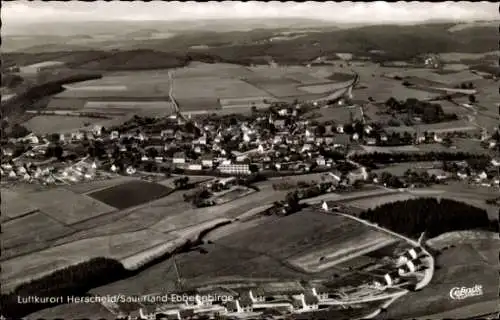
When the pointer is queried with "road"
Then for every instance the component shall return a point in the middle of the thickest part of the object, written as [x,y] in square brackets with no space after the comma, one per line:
[171,94]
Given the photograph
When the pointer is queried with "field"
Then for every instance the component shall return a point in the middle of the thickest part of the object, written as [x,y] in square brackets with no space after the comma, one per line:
[340,115]
[472,195]
[324,87]
[375,202]
[214,87]
[68,311]
[130,194]
[349,245]
[39,263]
[13,205]
[51,124]
[188,104]
[38,226]
[86,187]
[197,69]
[320,231]
[65,206]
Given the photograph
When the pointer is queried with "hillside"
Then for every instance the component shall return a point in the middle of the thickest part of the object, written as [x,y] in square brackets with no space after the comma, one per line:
[250,47]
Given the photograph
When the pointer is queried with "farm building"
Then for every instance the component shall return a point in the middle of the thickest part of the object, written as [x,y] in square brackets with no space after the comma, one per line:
[41,66]
[236,169]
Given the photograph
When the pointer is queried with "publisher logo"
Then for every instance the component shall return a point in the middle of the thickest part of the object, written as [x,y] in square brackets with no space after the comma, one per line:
[460,293]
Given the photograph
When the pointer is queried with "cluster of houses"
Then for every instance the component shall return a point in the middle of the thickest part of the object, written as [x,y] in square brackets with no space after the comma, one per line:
[277,142]
[249,304]
[256,301]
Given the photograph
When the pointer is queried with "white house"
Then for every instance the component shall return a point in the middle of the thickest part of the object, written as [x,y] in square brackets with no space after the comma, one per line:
[130,170]
[256,296]
[482,176]
[179,158]
[114,135]
[195,166]
[324,206]
[320,293]
[307,302]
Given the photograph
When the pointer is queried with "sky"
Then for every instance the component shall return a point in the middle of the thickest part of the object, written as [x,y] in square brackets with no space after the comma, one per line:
[24,12]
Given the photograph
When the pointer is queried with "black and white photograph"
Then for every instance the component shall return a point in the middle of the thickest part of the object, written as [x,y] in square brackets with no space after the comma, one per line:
[250,160]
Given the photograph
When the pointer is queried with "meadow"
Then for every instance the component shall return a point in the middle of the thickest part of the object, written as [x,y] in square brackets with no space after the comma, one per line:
[55,123]
[36,226]
[65,206]
[12,204]
[375,202]
[39,263]
[131,194]
[299,238]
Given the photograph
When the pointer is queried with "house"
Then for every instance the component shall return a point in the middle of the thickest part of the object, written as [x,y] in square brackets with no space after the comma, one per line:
[320,161]
[179,158]
[279,123]
[320,292]
[114,135]
[130,170]
[31,138]
[306,147]
[227,182]
[8,152]
[159,159]
[438,173]
[257,295]
[359,174]
[195,166]
[207,161]
[462,175]
[324,206]
[482,176]
[371,141]
[389,281]
[235,169]
[283,112]
[244,304]
[306,302]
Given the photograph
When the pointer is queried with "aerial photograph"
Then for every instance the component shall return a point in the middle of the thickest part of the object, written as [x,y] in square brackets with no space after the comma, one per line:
[250,160]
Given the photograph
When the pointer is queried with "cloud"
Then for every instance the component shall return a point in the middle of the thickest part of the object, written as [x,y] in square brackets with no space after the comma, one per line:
[343,12]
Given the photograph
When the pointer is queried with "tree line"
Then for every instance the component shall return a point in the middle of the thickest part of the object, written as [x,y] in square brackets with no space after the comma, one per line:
[432,215]
[370,159]
[74,280]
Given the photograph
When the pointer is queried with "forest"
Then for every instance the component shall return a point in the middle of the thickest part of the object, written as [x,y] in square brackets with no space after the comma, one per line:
[370,159]
[431,215]
[74,280]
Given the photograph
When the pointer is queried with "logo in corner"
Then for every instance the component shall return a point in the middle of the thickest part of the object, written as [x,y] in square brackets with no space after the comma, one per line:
[460,293]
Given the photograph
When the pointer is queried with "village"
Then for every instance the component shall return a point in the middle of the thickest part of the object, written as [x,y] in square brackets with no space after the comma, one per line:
[279,141]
